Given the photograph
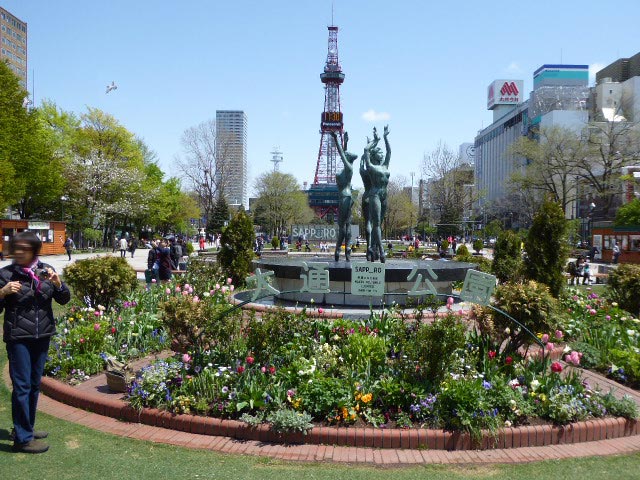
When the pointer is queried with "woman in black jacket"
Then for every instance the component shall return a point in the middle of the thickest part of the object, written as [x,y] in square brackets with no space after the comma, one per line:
[27,288]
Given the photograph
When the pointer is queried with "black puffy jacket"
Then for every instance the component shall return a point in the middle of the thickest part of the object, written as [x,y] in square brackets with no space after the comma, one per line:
[28,313]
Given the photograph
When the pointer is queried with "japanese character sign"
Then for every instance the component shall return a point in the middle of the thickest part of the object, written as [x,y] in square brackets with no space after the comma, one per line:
[478,287]
[315,277]
[415,289]
[262,284]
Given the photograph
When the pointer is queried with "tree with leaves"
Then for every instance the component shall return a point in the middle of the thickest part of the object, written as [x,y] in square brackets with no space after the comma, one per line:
[553,155]
[219,216]
[280,202]
[401,211]
[236,251]
[629,214]
[547,248]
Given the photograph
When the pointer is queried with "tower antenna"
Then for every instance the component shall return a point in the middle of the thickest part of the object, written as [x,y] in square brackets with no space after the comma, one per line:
[276,158]
[323,194]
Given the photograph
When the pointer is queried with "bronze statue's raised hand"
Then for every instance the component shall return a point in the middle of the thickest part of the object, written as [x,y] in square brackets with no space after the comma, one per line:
[345,139]
[386,131]
[376,138]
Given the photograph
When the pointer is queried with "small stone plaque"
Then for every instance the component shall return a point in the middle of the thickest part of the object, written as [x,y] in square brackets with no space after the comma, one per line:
[367,278]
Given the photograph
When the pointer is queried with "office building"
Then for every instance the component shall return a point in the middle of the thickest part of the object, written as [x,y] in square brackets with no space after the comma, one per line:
[231,148]
[13,44]
[621,70]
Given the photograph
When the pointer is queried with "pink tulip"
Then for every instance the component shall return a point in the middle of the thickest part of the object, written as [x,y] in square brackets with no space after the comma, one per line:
[185,293]
[196,299]
[263,369]
[592,311]
[187,286]
[320,311]
[178,289]
[559,334]
[550,346]
[167,291]
[545,338]
[186,358]
[96,327]
[229,281]
[231,288]
[153,280]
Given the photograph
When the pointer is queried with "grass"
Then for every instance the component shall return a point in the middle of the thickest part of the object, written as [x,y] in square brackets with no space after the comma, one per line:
[81,453]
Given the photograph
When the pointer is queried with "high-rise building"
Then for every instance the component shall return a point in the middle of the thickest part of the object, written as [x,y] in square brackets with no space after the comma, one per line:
[231,147]
[13,44]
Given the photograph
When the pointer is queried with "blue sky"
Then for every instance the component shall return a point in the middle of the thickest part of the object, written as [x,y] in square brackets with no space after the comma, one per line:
[423,64]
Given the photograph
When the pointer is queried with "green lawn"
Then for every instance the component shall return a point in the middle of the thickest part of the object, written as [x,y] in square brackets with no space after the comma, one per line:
[79,452]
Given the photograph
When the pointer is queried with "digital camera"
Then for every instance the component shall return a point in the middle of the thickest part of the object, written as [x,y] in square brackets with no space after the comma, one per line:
[42,273]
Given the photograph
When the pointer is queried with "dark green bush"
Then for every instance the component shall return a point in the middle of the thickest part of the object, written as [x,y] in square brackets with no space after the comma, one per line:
[463,251]
[435,345]
[547,247]
[202,275]
[275,242]
[101,280]
[507,257]
[531,304]
[236,252]
[478,245]
[624,287]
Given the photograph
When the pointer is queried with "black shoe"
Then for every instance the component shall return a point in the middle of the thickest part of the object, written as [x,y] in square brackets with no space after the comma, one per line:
[36,434]
[34,446]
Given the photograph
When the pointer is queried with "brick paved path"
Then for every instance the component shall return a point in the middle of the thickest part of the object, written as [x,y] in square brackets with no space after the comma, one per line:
[385,457]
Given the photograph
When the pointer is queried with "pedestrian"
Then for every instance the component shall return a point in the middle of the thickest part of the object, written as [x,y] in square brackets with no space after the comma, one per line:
[124,245]
[133,245]
[27,289]
[175,251]
[201,243]
[616,252]
[586,273]
[69,246]
[164,261]
[593,252]
[151,272]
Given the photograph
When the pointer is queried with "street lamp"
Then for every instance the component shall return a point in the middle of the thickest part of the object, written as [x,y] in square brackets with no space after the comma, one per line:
[63,199]
[411,209]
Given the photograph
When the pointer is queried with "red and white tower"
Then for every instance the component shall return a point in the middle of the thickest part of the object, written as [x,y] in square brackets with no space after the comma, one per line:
[331,119]
[323,194]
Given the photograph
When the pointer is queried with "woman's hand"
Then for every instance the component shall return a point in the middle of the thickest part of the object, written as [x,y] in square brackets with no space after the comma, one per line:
[54,278]
[9,289]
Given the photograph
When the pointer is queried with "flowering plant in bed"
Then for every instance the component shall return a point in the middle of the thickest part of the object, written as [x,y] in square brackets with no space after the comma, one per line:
[383,371]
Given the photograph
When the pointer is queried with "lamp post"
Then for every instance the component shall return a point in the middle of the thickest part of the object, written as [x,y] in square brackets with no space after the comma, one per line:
[411,210]
[63,199]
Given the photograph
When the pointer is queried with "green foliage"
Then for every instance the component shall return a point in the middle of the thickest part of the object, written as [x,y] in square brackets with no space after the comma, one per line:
[531,304]
[285,420]
[219,216]
[202,274]
[435,345]
[92,235]
[324,395]
[101,280]
[624,407]
[547,248]
[507,257]
[463,251]
[365,352]
[624,287]
[629,362]
[444,245]
[275,242]
[478,245]
[236,253]
[629,214]
[493,229]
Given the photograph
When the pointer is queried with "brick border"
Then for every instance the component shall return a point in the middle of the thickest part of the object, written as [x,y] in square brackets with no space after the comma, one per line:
[507,438]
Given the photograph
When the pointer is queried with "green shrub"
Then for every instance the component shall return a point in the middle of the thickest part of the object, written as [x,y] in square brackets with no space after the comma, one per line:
[629,361]
[531,304]
[286,420]
[547,247]
[624,287]
[478,245]
[236,254]
[101,280]
[190,248]
[202,275]
[275,242]
[444,245]
[363,351]
[507,257]
[463,251]
[435,345]
[324,395]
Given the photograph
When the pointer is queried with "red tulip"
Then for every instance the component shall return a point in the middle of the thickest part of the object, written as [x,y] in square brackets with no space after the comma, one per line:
[556,367]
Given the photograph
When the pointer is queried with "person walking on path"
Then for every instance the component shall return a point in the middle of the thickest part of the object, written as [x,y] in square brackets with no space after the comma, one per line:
[616,252]
[27,289]
[133,245]
[164,261]
[124,245]
[69,246]
[202,244]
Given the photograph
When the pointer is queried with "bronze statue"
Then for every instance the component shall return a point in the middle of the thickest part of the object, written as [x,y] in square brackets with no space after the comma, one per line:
[343,179]
[375,175]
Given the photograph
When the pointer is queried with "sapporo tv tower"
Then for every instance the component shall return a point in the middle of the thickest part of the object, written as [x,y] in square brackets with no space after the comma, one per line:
[323,194]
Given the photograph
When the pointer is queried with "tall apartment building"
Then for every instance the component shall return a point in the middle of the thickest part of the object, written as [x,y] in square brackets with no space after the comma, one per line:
[231,139]
[13,44]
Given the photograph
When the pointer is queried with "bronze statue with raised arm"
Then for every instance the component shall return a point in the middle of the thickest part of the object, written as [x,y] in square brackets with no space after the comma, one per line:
[343,180]
[377,172]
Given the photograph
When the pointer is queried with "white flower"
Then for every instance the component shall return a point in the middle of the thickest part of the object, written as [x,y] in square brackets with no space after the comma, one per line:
[534,384]
[631,333]
[566,349]
[507,423]
[507,331]
[132,323]
[101,308]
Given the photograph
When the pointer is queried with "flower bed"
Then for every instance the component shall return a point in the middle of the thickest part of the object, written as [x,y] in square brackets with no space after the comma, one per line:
[294,372]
